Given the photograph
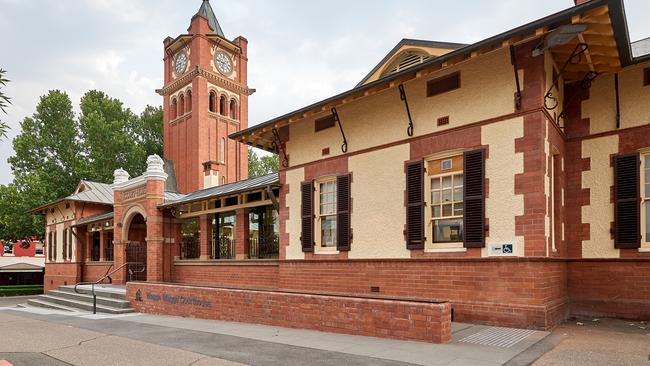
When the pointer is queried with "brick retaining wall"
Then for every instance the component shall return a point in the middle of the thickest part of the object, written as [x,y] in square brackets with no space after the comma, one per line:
[610,288]
[388,318]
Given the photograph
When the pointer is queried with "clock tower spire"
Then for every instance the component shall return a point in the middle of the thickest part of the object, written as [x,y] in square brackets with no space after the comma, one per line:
[205,100]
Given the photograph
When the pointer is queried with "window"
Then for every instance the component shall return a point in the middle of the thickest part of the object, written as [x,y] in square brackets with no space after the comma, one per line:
[263,232]
[70,244]
[646,196]
[233,109]
[324,123]
[213,102]
[223,235]
[223,109]
[174,110]
[54,248]
[190,248]
[326,215]
[646,76]
[189,101]
[65,244]
[443,84]
[445,185]
[181,105]
[222,150]
[49,246]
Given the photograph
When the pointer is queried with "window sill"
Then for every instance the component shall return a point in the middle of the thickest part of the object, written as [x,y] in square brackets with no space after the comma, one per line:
[644,250]
[327,252]
[445,250]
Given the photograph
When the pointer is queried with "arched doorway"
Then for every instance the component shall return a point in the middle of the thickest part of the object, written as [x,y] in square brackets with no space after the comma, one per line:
[136,249]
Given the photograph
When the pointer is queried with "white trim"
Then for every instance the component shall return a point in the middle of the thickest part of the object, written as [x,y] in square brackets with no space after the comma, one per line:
[444,250]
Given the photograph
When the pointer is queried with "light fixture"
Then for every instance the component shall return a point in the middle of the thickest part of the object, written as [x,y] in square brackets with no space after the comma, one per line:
[559,36]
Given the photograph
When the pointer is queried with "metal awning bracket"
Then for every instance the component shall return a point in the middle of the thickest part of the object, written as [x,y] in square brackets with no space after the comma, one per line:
[550,101]
[344,146]
[513,61]
[279,148]
[402,97]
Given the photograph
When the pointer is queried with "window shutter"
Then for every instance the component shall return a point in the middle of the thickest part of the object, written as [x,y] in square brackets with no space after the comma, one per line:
[415,205]
[65,244]
[307,214]
[626,201]
[474,198]
[343,212]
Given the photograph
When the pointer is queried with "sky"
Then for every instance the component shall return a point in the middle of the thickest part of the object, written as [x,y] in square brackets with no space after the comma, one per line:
[299,51]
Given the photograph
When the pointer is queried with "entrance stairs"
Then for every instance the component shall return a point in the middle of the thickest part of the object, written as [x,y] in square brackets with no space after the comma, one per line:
[110,299]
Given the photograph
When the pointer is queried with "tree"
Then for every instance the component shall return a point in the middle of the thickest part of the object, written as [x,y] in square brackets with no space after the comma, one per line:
[55,150]
[261,165]
[109,134]
[4,103]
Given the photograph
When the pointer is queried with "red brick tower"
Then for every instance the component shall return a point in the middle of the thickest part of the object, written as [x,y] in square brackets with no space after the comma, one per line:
[205,99]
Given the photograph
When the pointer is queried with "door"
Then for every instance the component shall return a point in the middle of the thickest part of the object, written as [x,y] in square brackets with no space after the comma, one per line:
[136,257]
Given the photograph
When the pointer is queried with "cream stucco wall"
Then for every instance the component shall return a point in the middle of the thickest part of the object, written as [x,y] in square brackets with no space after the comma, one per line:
[58,218]
[634,98]
[378,214]
[503,205]
[381,118]
[294,248]
[600,211]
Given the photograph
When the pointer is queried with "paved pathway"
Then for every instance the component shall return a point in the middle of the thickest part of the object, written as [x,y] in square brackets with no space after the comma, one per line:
[605,342]
[86,339]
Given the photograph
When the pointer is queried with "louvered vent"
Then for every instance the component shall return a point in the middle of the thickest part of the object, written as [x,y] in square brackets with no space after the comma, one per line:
[409,60]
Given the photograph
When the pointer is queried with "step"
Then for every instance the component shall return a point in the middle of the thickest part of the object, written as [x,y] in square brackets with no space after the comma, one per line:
[118,293]
[48,305]
[101,300]
[56,302]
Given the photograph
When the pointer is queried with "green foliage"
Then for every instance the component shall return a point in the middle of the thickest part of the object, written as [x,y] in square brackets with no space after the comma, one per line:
[4,103]
[261,165]
[55,150]
[21,290]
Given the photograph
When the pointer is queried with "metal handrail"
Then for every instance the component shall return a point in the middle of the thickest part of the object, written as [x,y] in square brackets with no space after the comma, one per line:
[99,281]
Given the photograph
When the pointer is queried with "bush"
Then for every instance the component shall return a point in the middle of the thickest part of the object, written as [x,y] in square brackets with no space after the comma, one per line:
[21,290]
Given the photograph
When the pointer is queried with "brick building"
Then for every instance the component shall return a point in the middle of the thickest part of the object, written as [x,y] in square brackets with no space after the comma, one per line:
[505,178]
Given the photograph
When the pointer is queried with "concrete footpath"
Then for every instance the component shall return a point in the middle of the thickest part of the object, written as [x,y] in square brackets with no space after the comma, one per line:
[34,336]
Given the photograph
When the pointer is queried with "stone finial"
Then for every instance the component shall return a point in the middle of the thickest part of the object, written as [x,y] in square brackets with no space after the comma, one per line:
[120,176]
[155,164]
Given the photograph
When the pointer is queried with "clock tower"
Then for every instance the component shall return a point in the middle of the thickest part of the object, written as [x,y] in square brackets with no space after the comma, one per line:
[205,100]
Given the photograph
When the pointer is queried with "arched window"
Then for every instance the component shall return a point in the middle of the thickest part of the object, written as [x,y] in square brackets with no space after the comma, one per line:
[181,105]
[189,101]
[213,101]
[223,180]
[223,106]
[233,109]
[174,105]
[222,150]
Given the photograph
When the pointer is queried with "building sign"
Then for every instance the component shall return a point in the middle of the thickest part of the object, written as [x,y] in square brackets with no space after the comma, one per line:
[178,300]
[134,193]
[502,250]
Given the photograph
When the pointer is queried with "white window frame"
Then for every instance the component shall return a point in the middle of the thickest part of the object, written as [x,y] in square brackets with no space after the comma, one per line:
[431,246]
[319,248]
[645,200]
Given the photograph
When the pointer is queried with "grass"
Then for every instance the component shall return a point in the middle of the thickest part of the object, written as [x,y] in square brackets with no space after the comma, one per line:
[21,290]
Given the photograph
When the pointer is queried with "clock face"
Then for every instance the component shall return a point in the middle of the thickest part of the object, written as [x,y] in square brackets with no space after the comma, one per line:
[181,63]
[223,62]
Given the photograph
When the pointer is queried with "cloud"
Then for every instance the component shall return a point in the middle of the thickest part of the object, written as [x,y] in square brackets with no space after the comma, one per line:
[299,51]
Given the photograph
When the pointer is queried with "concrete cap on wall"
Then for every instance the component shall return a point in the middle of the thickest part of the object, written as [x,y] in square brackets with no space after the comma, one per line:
[120,176]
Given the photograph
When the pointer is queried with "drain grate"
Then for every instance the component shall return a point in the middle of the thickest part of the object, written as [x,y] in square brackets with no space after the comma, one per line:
[498,337]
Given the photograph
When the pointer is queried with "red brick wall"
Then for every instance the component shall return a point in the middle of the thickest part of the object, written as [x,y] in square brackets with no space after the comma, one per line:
[94,271]
[610,288]
[262,276]
[511,292]
[59,274]
[420,321]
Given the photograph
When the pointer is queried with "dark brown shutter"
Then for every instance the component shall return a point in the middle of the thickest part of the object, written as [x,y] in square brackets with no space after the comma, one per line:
[627,202]
[343,212]
[474,198]
[65,244]
[307,214]
[415,205]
